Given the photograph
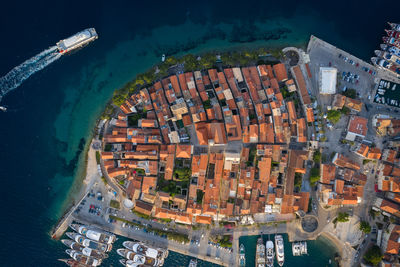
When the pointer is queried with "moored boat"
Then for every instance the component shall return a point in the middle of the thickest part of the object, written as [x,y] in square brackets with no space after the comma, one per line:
[130,263]
[279,249]
[394,26]
[299,248]
[391,41]
[86,242]
[130,255]
[192,263]
[392,33]
[94,234]
[386,65]
[72,263]
[85,250]
[142,249]
[270,253]
[79,257]
[260,253]
[242,256]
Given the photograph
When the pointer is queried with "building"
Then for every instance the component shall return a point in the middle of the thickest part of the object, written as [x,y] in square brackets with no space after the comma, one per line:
[327,80]
[357,128]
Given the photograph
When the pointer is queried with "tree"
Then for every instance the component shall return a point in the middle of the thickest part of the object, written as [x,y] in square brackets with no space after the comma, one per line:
[352,93]
[365,227]
[314,175]
[373,255]
[317,156]
[343,217]
[345,111]
[334,116]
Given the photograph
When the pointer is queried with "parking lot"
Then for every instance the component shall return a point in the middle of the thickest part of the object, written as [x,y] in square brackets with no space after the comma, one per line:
[352,72]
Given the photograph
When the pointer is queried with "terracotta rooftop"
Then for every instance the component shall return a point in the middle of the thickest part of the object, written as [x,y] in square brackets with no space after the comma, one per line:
[358,125]
[301,85]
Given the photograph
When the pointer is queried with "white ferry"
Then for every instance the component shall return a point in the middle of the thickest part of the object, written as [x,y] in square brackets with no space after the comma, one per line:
[76,41]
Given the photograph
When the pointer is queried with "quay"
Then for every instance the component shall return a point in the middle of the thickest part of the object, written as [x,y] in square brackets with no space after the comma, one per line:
[155,241]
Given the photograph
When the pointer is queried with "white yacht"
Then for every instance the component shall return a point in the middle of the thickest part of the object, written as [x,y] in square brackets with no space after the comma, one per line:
[280,251]
[86,242]
[142,249]
[79,257]
[260,253]
[130,255]
[93,234]
[270,253]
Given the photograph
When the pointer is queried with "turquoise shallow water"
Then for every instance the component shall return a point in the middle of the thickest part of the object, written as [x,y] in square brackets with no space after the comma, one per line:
[320,251]
[51,115]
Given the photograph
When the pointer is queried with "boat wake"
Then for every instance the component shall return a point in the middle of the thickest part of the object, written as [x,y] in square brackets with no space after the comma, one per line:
[19,74]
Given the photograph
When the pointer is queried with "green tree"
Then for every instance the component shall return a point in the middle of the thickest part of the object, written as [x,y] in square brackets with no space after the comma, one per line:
[365,227]
[345,111]
[343,217]
[334,116]
[373,255]
[317,156]
[314,175]
[352,93]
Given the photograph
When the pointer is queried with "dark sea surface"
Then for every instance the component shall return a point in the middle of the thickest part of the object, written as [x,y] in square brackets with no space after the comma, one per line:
[50,117]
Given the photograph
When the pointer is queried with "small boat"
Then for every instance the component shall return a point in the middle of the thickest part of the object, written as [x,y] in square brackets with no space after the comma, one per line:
[86,242]
[94,234]
[299,248]
[192,263]
[4,109]
[130,255]
[79,257]
[304,248]
[296,249]
[260,253]
[130,263]
[242,256]
[280,251]
[386,65]
[163,58]
[85,251]
[270,253]
[142,249]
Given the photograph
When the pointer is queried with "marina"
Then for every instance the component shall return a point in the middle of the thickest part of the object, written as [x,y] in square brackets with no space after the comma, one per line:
[387,93]
[320,252]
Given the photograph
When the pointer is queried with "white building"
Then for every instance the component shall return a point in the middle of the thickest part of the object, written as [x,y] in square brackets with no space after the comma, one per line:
[327,80]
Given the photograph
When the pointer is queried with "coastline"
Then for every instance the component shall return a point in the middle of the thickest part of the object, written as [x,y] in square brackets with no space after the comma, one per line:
[83,184]
[334,241]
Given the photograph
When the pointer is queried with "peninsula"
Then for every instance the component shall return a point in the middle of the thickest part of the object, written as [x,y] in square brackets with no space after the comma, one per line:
[218,147]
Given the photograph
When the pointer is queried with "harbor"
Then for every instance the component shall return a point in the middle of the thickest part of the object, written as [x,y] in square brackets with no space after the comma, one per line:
[325,257]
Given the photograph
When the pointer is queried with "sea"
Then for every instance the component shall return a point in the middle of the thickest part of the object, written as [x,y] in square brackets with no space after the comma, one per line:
[51,115]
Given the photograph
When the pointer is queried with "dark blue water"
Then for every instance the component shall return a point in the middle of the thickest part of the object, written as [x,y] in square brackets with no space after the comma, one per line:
[50,116]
